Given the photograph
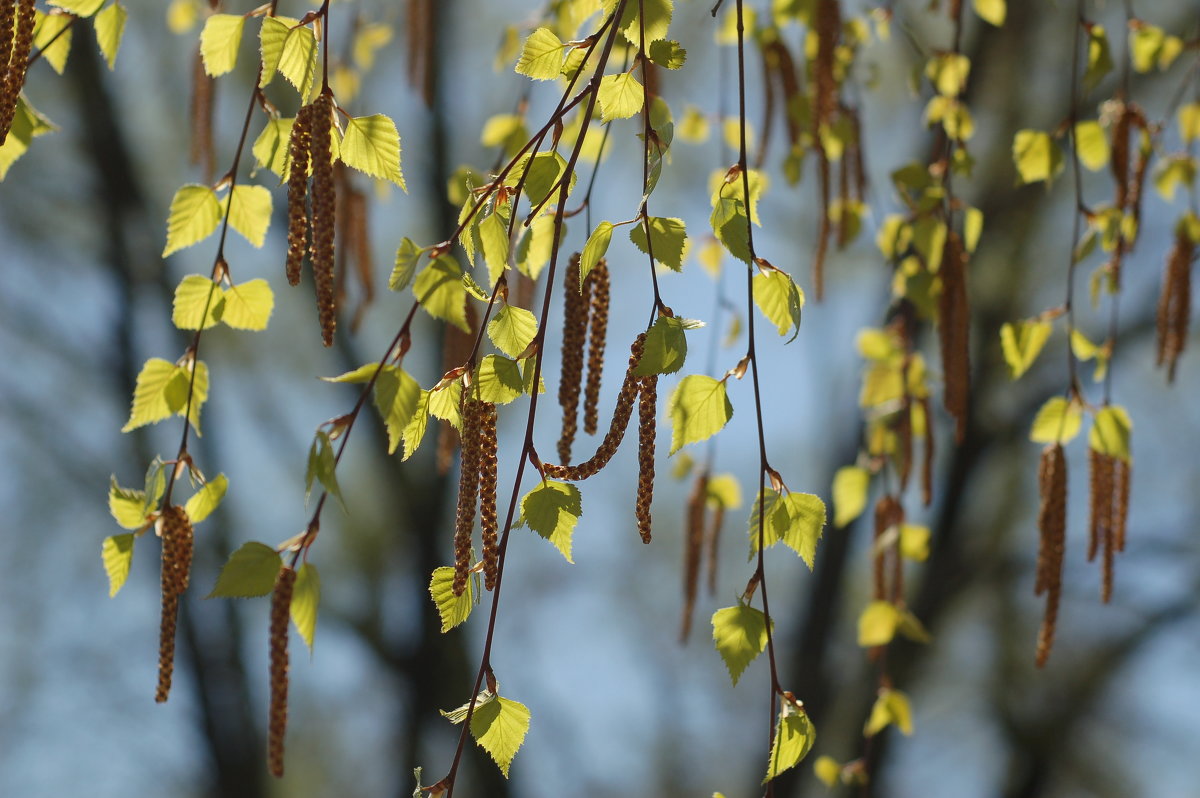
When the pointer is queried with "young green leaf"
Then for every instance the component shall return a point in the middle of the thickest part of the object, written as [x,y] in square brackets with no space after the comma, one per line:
[219,42]
[724,492]
[406,265]
[728,222]
[543,174]
[541,56]
[1037,156]
[992,11]
[80,8]
[649,17]
[794,738]
[371,145]
[306,596]
[877,624]
[110,27]
[1058,421]
[850,485]
[396,397]
[914,542]
[205,500]
[271,147]
[127,506]
[795,519]
[780,300]
[1022,343]
[620,96]
[439,289]
[248,305]
[250,212]
[175,392]
[493,241]
[668,54]
[891,707]
[1091,144]
[414,433]
[1189,122]
[512,329]
[1111,431]
[291,51]
[1099,59]
[665,349]
[322,466]
[667,237]
[52,38]
[195,214]
[444,402]
[199,303]
[828,771]
[249,572]
[698,408]
[552,509]
[594,250]
[499,728]
[499,380]
[149,394]
[740,635]
[117,553]
[27,125]
[452,609]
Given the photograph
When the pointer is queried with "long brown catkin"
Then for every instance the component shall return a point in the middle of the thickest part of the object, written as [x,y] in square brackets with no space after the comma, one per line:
[14,75]
[299,147]
[1052,525]
[576,309]
[468,492]
[323,213]
[487,493]
[597,335]
[281,604]
[953,332]
[647,410]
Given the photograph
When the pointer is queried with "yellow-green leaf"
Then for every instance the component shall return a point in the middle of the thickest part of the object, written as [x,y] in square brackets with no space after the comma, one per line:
[499,728]
[740,635]
[271,147]
[1022,342]
[1189,122]
[512,329]
[972,228]
[620,96]
[948,72]
[850,485]
[149,394]
[250,212]
[117,553]
[396,396]
[1058,421]
[306,596]
[552,509]
[80,8]
[541,56]
[414,433]
[452,609]
[371,145]
[199,303]
[991,11]
[439,289]
[1099,59]
[249,572]
[891,707]
[52,37]
[195,214]
[828,770]
[1037,156]
[1111,431]
[371,36]
[914,542]
[1092,145]
[291,51]
[780,300]
[248,305]
[698,408]
[219,42]
[667,238]
[594,249]
[127,506]
[407,256]
[499,380]
[665,350]
[724,492]
[877,624]
[794,738]
[205,500]
[795,519]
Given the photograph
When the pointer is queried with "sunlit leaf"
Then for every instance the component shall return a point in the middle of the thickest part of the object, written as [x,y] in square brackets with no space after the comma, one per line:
[794,738]
[740,635]
[667,237]
[877,624]
[1022,342]
[205,500]
[219,42]
[195,214]
[850,485]
[665,350]
[620,96]
[698,408]
[117,553]
[552,509]
[452,609]
[371,145]
[250,212]
[248,305]
[541,56]
[198,304]
[512,329]
[306,597]
[249,572]
[499,727]
[1111,430]
[1058,421]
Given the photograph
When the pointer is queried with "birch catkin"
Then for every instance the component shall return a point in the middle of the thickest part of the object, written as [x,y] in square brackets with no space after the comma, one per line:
[576,307]
[19,21]
[597,333]
[953,331]
[176,565]
[1052,526]
[468,492]
[281,605]
[298,156]
[693,541]
[323,212]
[1174,303]
[487,493]
[647,408]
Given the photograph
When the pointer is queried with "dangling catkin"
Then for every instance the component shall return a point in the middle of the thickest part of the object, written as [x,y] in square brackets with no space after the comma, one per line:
[1124,472]
[597,334]
[14,75]
[616,430]
[200,151]
[953,331]
[176,565]
[927,455]
[8,21]
[1174,303]
[1052,526]
[1100,494]
[904,434]
[714,546]
[468,492]
[298,157]
[647,408]
[576,307]
[487,492]
[693,540]
[281,605]
[323,211]
[886,515]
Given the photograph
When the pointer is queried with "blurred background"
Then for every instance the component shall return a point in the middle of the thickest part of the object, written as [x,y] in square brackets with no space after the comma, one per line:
[619,707]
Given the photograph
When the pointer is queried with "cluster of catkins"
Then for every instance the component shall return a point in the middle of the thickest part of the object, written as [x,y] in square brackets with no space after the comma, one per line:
[310,149]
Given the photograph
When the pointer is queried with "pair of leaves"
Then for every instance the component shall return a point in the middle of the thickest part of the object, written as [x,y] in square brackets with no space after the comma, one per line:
[891,708]
[795,519]
[109,24]
[881,620]
[251,571]
[196,211]
[162,390]
[1022,342]
[201,303]
[498,725]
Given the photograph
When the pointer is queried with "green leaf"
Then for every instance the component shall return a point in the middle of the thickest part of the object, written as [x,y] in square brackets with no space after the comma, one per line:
[1092,145]
[322,466]
[914,542]
[552,509]
[972,228]
[362,374]
[667,236]
[414,433]
[1111,431]
[698,408]
[27,125]
[724,492]
[828,770]
[620,96]
[1189,122]
[452,609]
[248,305]
[796,519]
[668,54]
[665,349]
[161,391]
[1022,343]
[729,225]
[877,624]
[396,396]
[219,42]
[52,37]
[535,246]
[780,300]
[117,553]
[80,8]
[306,596]
[440,291]
[290,51]
[199,303]
[250,212]
[794,738]
[271,147]
[493,241]
[205,500]
[740,635]
[512,329]
[406,265]
[991,11]
[543,173]
[371,145]
[594,249]
[651,17]
[850,485]
[444,402]
[195,214]
[891,707]
[127,506]
[110,27]
[499,728]
[1058,421]
[1037,156]
[154,485]
[1099,59]
[499,380]
[250,572]
[541,56]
